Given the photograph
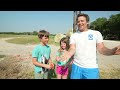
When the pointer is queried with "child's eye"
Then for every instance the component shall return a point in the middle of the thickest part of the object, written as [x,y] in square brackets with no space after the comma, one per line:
[47,36]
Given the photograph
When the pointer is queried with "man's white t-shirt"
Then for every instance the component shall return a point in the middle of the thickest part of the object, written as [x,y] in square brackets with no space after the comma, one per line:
[86,44]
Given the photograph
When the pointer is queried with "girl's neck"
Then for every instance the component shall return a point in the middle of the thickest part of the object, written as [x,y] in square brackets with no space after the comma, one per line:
[63,49]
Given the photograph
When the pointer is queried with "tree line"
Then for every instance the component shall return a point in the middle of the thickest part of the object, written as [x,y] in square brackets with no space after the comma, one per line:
[23,33]
[110,28]
[20,33]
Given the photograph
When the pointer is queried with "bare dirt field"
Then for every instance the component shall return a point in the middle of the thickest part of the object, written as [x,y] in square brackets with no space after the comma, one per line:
[17,63]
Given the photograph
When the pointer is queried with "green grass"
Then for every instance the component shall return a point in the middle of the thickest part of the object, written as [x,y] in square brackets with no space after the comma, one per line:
[2,56]
[9,35]
[26,39]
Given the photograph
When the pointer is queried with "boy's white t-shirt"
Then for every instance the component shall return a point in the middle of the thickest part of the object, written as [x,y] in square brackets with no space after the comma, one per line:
[86,44]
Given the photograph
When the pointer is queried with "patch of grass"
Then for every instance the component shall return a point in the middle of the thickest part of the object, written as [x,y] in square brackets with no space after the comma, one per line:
[9,35]
[26,75]
[13,68]
[24,40]
[2,56]
[30,39]
[110,74]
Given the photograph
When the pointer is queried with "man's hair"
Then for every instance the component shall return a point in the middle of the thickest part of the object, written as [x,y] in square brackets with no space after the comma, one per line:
[43,33]
[84,15]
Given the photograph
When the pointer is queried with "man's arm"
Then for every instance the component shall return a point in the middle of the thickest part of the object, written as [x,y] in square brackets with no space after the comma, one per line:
[72,49]
[68,54]
[106,51]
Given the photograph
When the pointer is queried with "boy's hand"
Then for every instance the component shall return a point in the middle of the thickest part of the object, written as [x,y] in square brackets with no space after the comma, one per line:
[52,65]
[48,66]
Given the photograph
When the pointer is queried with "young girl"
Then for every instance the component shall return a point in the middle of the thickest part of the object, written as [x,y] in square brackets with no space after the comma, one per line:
[62,66]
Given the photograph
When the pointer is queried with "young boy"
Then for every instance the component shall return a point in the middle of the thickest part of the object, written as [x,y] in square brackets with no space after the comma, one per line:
[41,56]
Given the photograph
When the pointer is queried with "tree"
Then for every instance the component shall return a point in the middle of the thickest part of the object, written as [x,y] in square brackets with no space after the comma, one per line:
[114,23]
[99,24]
[108,27]
[35,32]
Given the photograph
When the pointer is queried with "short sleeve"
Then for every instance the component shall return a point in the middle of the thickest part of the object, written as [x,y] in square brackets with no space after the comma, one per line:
[35,52]
[99,37]
[72,39]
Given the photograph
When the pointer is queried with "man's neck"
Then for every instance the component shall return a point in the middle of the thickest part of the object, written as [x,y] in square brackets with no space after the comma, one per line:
[84,30]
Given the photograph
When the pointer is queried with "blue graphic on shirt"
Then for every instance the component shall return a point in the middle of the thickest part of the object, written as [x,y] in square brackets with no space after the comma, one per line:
[90,37]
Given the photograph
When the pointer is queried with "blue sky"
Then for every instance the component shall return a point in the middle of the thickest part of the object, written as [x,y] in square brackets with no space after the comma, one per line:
[52,21]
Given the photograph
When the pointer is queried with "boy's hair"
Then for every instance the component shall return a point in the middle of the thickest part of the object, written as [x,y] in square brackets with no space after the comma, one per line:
[84,15]
[65,40]
[43,33]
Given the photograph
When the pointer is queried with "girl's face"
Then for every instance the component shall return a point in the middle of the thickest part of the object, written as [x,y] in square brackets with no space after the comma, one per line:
[63,45]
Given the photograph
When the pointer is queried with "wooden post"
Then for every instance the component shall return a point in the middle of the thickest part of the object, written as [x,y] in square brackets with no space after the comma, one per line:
[74,20]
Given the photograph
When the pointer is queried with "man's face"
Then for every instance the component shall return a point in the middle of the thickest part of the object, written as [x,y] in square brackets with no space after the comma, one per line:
[45,40]
[82,23]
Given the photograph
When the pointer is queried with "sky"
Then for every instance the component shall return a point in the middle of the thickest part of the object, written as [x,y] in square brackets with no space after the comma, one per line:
[52,21]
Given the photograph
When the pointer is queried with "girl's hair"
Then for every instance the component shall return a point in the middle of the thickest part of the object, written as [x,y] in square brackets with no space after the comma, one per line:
[65,40]
[43,33]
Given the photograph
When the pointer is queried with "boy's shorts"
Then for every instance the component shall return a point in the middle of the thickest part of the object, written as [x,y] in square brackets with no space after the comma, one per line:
[84,73]
[39,75]
[61,70]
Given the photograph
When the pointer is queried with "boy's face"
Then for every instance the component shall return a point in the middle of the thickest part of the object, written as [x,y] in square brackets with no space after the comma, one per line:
[44,40]
[82,23]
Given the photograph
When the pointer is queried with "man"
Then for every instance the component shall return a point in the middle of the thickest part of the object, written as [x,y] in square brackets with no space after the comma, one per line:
[83,45]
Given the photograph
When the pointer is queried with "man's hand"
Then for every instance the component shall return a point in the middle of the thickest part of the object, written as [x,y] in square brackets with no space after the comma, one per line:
[65,56]
[118,50]
[58,58]
[68,54]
